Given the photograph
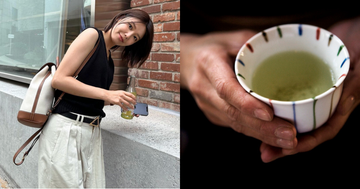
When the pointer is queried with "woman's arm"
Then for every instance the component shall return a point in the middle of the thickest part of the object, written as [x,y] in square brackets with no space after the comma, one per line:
[64,80]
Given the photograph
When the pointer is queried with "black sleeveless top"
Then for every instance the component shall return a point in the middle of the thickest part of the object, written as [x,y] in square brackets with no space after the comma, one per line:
[97,72]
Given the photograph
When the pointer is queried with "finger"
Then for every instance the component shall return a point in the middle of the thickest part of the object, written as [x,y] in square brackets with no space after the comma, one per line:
[308,141]
[322,134]
[129,98]
[125,104]
[209,102]
[270,153]
[229,89]
[277,133]
[326,132]
[350,95]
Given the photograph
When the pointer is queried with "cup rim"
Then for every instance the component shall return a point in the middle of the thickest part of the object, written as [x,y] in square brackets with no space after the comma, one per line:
[303,101]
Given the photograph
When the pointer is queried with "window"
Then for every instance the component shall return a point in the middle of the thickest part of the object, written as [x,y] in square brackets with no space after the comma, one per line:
[33,32]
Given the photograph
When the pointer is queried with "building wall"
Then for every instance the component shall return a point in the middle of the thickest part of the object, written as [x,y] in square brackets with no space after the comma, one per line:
[158,80]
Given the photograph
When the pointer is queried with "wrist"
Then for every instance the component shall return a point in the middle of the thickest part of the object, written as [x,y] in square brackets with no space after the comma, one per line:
[103,94]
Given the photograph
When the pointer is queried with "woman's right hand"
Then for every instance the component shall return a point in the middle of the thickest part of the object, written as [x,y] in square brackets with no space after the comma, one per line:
[207,72]
[122,98]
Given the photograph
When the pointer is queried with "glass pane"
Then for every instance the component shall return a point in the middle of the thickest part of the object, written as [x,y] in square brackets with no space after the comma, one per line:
[29,35]
[33,32]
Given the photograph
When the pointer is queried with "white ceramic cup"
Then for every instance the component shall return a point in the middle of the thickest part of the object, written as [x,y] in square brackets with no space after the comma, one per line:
[308,114]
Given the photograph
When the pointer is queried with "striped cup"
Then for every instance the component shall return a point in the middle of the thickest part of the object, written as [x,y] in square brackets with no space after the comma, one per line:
[307,114]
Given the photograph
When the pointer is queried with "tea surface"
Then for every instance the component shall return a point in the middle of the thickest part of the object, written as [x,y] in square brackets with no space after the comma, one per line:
[292,76]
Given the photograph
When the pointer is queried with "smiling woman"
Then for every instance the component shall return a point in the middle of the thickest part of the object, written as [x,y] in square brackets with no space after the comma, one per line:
[130,54]
[70,145]
[133,28]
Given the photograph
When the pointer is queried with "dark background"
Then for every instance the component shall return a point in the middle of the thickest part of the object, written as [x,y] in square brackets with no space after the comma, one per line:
[213,156]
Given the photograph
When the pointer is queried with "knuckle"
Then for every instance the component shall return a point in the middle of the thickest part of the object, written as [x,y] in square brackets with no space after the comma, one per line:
[232,113]
[201,105]
[194,87]
[237,127]
[262,128]
[220,87]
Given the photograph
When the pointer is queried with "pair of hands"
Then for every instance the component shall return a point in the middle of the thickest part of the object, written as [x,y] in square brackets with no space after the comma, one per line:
[207,72]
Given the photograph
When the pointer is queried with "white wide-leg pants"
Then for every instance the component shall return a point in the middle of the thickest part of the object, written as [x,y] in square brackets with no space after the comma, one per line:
[70,154]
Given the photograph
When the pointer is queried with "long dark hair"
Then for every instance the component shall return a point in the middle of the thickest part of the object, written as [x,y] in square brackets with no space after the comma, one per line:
[137,53]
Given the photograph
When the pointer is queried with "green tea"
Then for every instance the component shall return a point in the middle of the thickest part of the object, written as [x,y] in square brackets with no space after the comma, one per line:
[291,76]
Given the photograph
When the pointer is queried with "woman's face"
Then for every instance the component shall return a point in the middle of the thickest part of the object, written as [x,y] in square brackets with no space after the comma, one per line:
[128,31]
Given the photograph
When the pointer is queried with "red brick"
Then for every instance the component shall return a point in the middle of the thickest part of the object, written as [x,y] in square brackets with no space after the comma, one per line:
[173,87]
[158,27]
[151,9]
[148,84]
[137,3]
[162,57]
[156,47]
[177,57]
[171,6]
[138,73]
[173,67]
[177,77]
[177,98]
[170,47]
[161,76]
[178,36]
[172,26]
[169,16]
[142,92]
[161,37]
[161,1]
[150,65]
[147,101]
[169,105]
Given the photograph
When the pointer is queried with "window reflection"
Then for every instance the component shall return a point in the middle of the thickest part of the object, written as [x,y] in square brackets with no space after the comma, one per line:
[33,32]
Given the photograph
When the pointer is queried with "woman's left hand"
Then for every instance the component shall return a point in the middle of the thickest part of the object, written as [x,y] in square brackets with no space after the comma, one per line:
[349,32]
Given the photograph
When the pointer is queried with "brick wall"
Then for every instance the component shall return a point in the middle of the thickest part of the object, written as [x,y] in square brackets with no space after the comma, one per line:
[158,79]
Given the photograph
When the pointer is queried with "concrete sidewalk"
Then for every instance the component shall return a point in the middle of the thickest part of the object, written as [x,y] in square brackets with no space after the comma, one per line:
[6,181]
[140,153]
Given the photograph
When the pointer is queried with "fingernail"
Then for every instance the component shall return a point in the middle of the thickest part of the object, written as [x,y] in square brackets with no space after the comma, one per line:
[289,144]
[346,106]
[284,133]
[262,114]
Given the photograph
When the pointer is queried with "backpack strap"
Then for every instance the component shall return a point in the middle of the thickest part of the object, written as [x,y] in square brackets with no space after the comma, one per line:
[75,75]
[37,134]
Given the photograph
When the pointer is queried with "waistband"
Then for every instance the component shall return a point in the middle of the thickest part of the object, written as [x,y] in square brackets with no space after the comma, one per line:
[92,120]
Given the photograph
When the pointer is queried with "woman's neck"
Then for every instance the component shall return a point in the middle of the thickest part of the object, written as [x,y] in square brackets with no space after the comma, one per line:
[108,41]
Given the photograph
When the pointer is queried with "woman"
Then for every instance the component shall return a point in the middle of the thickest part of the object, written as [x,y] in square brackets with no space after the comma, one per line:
[70,147]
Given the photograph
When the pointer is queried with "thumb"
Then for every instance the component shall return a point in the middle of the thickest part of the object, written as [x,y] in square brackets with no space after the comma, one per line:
[349,98]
